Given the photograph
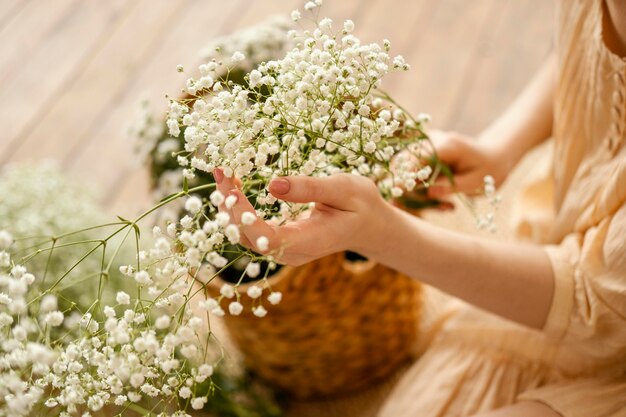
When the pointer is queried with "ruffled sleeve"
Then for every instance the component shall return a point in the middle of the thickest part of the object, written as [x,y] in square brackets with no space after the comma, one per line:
[589,304]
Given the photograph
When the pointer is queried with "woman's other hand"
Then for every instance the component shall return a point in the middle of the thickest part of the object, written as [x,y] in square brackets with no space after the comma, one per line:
[470,161]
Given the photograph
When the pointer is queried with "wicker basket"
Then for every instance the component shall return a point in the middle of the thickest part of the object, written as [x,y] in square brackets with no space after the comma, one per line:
[341,326]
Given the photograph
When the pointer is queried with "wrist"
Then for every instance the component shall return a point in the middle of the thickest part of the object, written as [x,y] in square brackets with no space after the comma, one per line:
[381,233]
[503,157]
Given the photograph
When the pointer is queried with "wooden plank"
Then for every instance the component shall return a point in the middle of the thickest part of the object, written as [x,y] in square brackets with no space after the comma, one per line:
[119,187]
[405,17]
[510,59]
[447,42]
[26,30]
[51,67]
[63,127]
[106,144]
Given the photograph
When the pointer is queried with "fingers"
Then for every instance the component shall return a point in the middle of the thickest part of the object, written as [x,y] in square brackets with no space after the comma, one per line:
[225,185]
[251,226]
[332,191]
[469,184]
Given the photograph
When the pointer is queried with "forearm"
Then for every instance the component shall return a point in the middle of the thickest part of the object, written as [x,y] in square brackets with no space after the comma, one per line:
[512,280]
[528,121]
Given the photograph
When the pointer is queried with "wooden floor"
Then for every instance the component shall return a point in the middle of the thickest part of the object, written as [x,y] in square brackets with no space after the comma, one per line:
[72,72]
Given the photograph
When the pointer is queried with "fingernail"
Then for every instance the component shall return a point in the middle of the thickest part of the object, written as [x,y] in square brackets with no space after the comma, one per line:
[280,186]
[218,175]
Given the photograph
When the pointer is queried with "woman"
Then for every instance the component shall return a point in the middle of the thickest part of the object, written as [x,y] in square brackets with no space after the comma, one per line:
[555,341]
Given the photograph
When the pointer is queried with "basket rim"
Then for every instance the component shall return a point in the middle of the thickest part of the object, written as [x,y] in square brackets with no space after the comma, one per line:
[354,267]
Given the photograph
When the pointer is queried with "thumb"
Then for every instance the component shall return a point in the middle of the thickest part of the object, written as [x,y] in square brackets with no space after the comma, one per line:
[331,190]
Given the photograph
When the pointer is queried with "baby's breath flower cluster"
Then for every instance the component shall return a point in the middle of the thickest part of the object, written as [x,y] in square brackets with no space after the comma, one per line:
[136,342]
[148,132]
[317,111]
[486,221]
[125,358]
[245,49]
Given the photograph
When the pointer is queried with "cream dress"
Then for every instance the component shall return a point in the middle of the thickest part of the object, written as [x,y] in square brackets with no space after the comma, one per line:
[577,363]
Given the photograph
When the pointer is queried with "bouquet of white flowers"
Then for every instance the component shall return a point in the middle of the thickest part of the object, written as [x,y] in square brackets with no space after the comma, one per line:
[317,111]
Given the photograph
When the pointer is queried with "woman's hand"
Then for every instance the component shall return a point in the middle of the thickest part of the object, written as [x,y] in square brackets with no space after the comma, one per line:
[347,214]
[470,161]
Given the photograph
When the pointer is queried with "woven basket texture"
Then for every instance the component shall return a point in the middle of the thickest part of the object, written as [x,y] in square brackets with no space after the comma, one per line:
[340,327]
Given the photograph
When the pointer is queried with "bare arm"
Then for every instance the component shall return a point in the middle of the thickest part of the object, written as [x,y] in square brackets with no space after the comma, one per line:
[526,123]
[510,279]
[528,120]
[513,280]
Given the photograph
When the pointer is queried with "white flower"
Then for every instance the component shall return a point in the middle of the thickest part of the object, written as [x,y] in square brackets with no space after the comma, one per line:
[5,299]
[205,370]
[253,269]
[174,129]
[222,218]
[230,201]
[275,297]
[186,222]
[262,243]
[184,392]
[143,278]
[209,304]
[193,204]
[217,198]
[198,403]
[218,311]
[254,291]
[162,322]
[238,57]
[54,318]
[48,303]
[5,320]
[227,291]
[109,311]
[19,333]
[326,24]
[248,218]
[260,311]
[423,118]
[95,403]
[51,402]
[424,173]
[122,298]
[348,26]
[6,240]
[310,5]
[127,270]
[296,15]
[235,308]
[18,271]
[5,259]
[180,68]
[232,233]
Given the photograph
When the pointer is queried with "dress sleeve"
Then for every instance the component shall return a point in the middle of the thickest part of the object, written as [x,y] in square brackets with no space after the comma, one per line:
[589,302]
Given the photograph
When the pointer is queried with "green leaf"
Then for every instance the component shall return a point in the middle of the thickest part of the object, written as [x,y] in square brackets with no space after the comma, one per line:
[137,230]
